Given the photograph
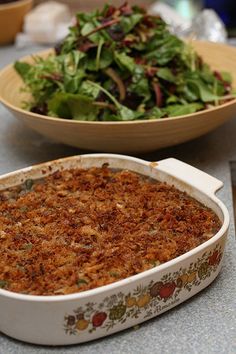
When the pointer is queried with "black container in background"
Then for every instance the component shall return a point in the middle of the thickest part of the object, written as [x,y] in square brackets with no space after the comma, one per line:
[226,9]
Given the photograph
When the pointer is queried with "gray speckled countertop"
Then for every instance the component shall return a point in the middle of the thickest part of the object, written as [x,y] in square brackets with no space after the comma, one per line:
[204,324]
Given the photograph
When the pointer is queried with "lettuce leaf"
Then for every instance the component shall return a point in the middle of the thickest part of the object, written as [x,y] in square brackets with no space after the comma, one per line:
[71,106]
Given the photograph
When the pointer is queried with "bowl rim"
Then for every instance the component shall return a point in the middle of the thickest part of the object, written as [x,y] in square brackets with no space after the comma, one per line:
[134,278]
[14,4]
[106,123]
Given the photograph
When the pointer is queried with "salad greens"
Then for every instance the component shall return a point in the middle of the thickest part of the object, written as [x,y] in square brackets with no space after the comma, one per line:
[122,64]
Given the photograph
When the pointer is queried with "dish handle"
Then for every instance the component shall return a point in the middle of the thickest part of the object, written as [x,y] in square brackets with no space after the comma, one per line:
[191,175]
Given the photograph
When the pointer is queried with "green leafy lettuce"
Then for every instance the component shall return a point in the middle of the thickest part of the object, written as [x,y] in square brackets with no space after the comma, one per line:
[122,64]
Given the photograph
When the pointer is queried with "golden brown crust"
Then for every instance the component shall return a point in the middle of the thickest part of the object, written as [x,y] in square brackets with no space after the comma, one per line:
[80,229]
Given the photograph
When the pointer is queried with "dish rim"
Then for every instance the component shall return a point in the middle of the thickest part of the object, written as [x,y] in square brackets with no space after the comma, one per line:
[129,280]
[113,123]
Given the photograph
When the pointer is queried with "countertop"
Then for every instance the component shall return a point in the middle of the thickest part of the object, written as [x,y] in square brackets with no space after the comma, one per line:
[204,324]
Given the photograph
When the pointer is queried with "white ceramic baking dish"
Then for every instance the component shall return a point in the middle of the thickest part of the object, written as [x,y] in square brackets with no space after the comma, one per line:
[75,318]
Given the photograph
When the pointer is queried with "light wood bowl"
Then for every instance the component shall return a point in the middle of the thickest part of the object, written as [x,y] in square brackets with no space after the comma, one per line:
[129,137]
[11,19]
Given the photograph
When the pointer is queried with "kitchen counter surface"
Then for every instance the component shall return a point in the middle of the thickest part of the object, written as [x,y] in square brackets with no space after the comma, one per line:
[204,324]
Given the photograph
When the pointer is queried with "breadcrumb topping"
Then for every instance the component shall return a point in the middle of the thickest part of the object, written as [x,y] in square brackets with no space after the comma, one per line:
[83,228]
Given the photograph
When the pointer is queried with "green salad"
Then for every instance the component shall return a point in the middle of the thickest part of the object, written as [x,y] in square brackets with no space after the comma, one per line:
[122,64]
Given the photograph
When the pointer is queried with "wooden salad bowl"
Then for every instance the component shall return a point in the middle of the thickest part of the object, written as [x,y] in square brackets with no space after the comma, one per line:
[131,136]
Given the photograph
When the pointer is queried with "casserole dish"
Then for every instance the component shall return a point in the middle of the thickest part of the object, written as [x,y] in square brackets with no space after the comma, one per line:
[80,317]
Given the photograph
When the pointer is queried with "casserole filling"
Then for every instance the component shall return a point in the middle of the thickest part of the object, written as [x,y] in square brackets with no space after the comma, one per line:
[83,228]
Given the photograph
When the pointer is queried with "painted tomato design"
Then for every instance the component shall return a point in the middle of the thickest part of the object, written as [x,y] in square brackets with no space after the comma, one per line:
[141,300]
[167,290]
[214,258]
[98,319]
[155,289]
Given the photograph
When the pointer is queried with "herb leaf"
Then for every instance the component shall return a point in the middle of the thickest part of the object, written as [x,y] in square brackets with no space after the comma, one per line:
[166,74]
[3,284]
[124,61]
[22,68]
[81,282]
[77,107]
[179,110]
[129,22]
[201,90]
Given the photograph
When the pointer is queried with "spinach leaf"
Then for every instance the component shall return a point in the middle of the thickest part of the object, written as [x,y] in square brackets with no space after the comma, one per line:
[82,108]
[141,88]
[166,74]
[172,99]
[123,114]
[70,42]
[71,62]
[201,90]
[171,47]
[88,89]
[227,77]
[127,114]
[70,106]
[72,83]
[105,60]
[129,22]
[189,93]
[155,113]
[89,27]
[106,92]
[85,17]
[58,106]
[124,61]
[179,110]
[107,116]
[207,75]
[22,68]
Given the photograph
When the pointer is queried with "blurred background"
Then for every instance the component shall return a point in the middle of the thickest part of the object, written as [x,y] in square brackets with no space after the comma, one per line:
[86,5]
[226,9]
[186,18]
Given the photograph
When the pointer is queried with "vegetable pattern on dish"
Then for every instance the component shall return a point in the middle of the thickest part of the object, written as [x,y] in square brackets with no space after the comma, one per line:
[144,301]
[122,64]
